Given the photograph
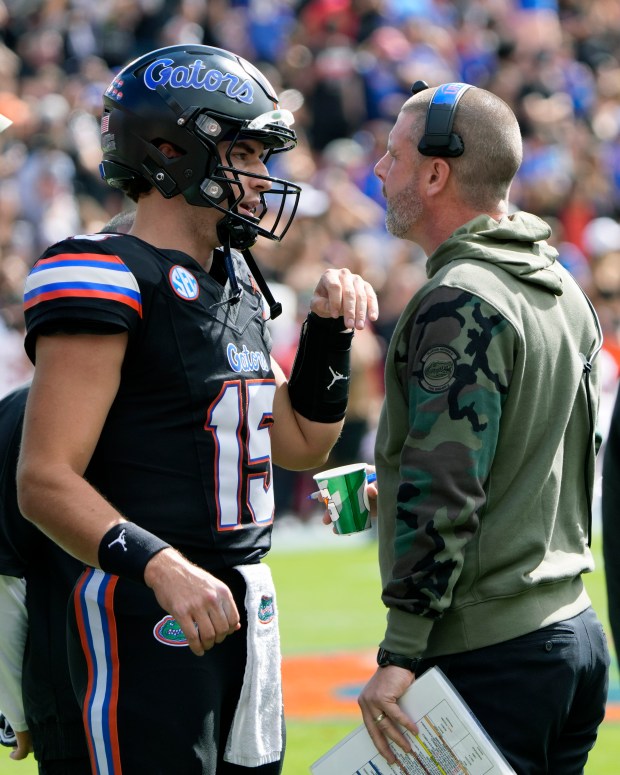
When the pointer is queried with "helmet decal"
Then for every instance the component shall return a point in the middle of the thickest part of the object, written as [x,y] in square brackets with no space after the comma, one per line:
[162,72]
[115,89]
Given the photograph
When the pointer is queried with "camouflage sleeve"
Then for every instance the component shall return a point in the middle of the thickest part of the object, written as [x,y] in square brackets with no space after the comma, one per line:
[455,363]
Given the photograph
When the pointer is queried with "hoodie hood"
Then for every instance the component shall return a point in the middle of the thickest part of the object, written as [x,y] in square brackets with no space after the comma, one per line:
[516,243]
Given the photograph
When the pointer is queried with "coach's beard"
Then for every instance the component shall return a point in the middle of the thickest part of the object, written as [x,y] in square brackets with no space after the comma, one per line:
[403,211]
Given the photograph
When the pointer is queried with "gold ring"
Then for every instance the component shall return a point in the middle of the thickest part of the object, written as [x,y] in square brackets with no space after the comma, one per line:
[379,718]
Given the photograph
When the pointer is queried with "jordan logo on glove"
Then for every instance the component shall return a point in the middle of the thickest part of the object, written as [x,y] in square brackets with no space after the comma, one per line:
[336,375]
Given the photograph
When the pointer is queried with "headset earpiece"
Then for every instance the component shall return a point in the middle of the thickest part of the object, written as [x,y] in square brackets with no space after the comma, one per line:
[439,139]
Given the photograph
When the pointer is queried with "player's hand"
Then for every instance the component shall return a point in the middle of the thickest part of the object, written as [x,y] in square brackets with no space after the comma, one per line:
[23,747]
[202,604]
[339,292]
[379,700]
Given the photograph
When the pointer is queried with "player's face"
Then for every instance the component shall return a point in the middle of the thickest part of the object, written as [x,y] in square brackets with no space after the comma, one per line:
[247,157]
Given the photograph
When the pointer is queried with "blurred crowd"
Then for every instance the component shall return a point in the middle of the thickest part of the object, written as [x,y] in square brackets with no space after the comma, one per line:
[344,67]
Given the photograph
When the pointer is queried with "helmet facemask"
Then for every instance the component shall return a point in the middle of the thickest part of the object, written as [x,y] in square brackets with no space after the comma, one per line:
[223,187]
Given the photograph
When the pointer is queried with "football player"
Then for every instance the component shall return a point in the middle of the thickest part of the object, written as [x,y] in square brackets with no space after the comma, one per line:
[156,412]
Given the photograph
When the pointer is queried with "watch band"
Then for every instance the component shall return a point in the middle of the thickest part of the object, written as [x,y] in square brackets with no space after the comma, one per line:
[385,658]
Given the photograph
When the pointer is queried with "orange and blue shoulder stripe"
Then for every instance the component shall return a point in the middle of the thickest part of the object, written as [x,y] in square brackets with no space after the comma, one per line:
[82,276]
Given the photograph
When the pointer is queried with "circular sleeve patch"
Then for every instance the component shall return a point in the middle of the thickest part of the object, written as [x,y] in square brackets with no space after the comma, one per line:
[183,283]
[438,369]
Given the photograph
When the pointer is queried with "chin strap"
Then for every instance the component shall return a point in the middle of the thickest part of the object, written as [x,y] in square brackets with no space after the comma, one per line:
[241,236]
[275,308]
[229,265]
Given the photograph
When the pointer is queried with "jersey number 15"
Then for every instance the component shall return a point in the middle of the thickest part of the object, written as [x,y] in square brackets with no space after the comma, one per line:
[240,419]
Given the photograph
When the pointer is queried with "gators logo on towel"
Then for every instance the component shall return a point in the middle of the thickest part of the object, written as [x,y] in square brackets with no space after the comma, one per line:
[266,609]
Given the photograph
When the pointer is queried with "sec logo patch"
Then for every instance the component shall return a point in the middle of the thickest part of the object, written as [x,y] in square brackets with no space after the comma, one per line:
[183,283]
[438,369]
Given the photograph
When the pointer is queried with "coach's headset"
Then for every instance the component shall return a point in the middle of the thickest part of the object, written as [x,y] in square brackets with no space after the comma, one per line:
[440,140]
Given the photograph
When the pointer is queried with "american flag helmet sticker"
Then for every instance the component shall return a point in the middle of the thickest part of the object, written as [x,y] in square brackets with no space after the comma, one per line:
[105,123]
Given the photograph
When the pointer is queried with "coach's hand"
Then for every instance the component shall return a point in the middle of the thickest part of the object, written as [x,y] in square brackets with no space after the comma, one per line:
[202,604]
[371,491]
[381,712]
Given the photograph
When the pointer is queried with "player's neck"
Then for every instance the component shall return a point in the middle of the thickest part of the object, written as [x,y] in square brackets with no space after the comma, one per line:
[169,225]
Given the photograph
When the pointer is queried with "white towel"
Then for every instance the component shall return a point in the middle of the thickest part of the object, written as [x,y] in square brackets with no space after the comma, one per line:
[256,734]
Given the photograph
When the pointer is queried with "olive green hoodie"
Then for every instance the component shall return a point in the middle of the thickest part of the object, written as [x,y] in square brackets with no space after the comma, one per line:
[484,449]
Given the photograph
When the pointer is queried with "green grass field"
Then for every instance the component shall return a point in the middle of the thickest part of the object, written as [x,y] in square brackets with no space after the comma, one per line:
[329,601]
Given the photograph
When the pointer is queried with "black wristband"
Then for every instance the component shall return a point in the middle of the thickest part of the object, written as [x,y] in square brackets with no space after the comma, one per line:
[126,549]
[319,383]
[385,658]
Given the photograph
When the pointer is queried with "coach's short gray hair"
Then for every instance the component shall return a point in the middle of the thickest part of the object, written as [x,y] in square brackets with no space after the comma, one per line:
[492,141]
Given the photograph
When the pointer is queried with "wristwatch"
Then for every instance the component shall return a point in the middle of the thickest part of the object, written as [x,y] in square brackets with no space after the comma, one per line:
[385,658]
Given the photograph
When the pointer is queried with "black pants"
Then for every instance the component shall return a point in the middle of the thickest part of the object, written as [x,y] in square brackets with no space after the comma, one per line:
[64,767]
[540,697]
[152,706]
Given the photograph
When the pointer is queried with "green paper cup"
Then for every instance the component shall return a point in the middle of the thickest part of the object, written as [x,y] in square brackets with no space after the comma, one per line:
[343,490]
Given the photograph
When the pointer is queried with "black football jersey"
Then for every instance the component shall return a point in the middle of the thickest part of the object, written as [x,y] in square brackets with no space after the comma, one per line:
[185,451]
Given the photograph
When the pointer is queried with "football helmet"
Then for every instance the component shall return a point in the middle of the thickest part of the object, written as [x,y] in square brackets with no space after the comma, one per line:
[195,97]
